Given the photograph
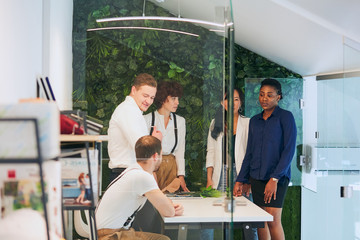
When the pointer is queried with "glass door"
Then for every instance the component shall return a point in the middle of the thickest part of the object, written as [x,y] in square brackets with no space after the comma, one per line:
[331,167]
[350,189]
[173,41]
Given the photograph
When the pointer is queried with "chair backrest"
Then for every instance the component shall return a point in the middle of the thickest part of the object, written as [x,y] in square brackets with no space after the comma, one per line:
[81,227]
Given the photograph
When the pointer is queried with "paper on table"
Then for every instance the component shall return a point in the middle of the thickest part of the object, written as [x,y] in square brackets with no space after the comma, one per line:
[220,202]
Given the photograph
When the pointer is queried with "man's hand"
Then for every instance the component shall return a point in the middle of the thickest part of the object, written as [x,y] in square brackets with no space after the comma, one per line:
[179,209]
[183,183]
[156,133]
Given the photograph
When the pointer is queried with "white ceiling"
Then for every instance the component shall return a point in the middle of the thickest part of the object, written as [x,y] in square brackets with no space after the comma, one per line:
[305,36]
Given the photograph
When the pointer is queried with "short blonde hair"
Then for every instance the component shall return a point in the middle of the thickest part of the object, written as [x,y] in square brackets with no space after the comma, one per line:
[144,79]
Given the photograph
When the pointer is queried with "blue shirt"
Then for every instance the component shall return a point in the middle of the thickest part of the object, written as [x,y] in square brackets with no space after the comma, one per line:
[270,148]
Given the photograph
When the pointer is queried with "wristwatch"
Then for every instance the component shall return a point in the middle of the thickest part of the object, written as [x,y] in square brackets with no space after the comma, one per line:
[275,179]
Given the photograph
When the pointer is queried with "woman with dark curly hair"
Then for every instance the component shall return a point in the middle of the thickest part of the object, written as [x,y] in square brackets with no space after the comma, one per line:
[172,126]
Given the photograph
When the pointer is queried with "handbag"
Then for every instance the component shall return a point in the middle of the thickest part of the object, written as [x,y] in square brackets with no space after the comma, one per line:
[70,126]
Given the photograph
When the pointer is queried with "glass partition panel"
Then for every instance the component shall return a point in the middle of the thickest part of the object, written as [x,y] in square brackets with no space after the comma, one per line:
[338,133]
[336,166]
[114,41]
[350,183]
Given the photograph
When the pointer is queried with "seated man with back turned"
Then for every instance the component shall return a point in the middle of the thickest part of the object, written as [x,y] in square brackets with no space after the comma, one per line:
[127,194]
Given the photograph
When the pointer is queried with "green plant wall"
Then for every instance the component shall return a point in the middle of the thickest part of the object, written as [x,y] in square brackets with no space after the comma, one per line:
[105,63]
[109,60]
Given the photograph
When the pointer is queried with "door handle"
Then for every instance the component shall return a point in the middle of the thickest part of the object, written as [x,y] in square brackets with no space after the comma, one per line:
[346,191]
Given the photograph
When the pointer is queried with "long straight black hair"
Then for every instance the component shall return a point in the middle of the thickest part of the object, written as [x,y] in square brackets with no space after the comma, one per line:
[219,116]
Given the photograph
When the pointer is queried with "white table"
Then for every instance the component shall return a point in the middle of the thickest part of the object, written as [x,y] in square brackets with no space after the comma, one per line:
[201,213]
[82,138]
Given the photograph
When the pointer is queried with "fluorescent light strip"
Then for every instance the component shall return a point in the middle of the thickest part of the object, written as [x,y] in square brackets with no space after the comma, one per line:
[175,19]
[144,28]
[215,30]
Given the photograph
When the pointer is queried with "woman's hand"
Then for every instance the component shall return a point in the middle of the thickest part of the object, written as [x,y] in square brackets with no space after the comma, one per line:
[238,188]
[270,191]
[183,184]
[246,189]
[209,183]
[209,173]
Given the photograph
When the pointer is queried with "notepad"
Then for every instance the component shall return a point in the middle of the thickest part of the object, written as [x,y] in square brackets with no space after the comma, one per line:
[220,202]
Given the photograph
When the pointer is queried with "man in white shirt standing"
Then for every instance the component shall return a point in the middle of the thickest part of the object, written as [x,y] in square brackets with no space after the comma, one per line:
[127,124]
[127,194]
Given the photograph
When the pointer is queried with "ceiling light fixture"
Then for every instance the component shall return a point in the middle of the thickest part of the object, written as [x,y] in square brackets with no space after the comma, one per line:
[175,19]
[143,28]
[217,30]
[157,18]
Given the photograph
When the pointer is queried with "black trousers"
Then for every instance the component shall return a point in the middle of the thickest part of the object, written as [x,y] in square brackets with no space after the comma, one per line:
[114,173]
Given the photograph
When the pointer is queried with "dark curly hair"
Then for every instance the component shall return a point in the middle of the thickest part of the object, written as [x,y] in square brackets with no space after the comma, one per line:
[165,89]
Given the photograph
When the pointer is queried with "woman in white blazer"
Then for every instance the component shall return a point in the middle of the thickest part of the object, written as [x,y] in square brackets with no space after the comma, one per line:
[215,153]
[216,169]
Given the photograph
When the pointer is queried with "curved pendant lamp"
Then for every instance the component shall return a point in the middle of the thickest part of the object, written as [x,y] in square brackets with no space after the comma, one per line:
[144,28]
[158,18]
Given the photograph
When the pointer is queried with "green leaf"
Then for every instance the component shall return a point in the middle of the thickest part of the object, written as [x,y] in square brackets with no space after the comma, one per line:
[149,64]
[209,192]
[100,113]
[171,73]
[172,65]
[194,155]
[180,70]
[195,101]
[212,65]
[124,11]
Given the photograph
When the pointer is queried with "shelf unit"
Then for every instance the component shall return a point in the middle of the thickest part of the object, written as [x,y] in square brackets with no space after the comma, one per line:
[38,159]
[86,140]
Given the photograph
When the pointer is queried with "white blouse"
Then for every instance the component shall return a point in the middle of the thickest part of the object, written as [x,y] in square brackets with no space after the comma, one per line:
[168,140]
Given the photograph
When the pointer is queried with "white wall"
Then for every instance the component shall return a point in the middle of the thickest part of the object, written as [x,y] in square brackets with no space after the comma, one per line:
[36,40]
[60,51]
[20,48]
